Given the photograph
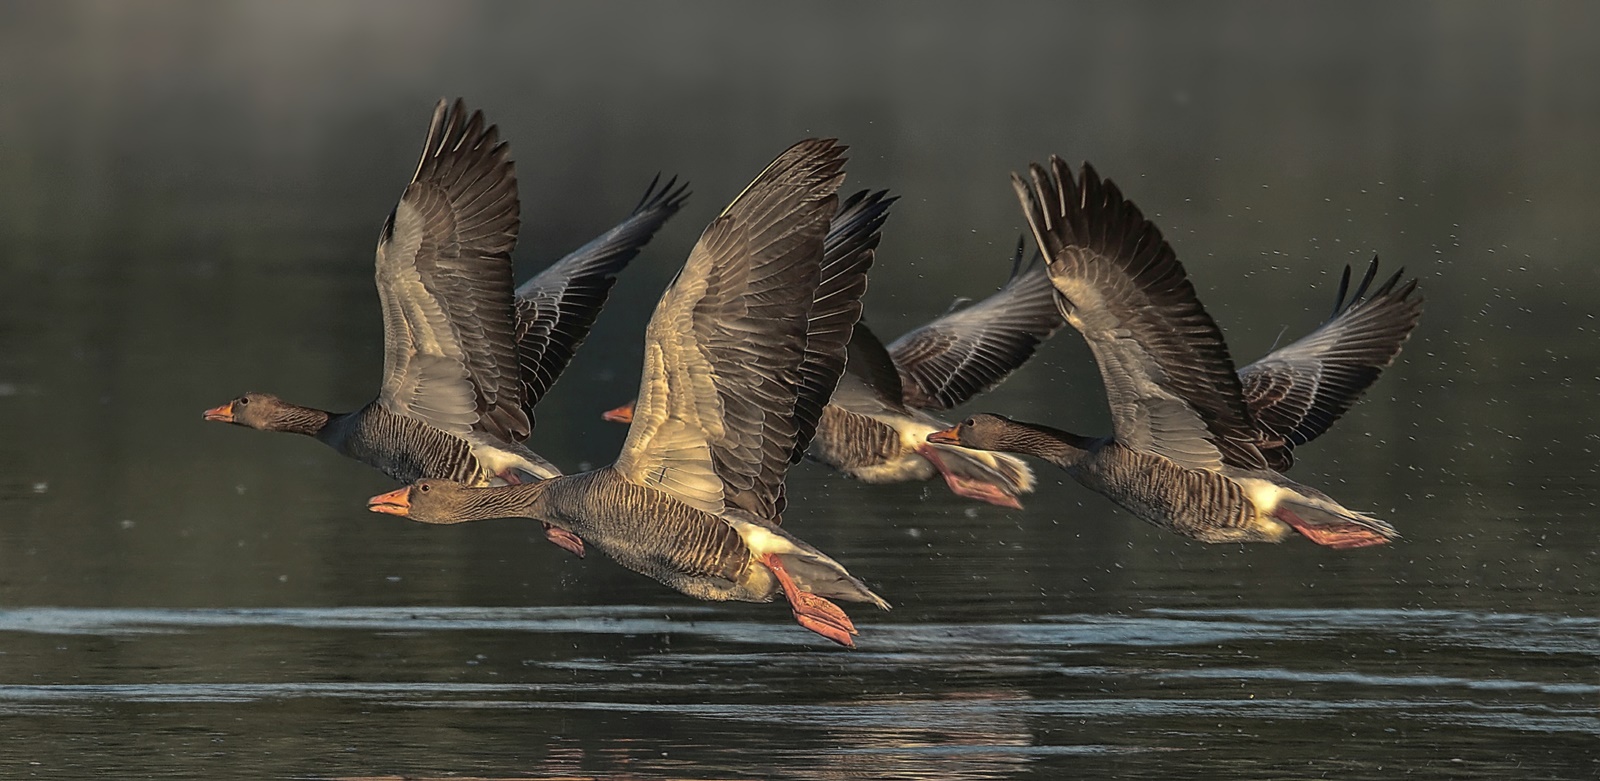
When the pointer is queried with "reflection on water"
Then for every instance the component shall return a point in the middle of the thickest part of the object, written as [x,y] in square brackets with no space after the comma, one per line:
[923,701]
[189,195]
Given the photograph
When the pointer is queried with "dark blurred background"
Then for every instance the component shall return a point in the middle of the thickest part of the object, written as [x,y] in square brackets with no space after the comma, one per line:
[190,193]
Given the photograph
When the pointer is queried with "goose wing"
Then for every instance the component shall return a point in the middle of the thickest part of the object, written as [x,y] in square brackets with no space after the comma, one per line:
[444,280]
[1168,376]
[1297,392]
[833,325]
[968,351]
[714,421]
[556,308]
[872,374]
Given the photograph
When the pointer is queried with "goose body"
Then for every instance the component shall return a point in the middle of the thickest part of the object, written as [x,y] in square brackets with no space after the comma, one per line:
[407,449]
[868,434]
[741,355]
[1226,505]
[466,357]
[1197,448]
[873,449]
[717,557]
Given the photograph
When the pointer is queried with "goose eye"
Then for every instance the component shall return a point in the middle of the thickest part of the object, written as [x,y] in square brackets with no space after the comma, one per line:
[243,400]
[971,422]
[424,487]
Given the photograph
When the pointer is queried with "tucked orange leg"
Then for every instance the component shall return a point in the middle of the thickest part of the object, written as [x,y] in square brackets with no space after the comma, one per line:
[811,611]
[566,540]
[967,487]
[1338,536]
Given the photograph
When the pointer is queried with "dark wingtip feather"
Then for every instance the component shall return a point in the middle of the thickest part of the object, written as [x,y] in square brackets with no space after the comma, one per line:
[558,307]
[1343,305]
[848,252]
[670,196]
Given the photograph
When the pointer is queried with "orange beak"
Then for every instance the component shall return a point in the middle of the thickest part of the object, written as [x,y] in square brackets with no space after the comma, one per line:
[946,437]
[396,502]
[222,414]
[622,414]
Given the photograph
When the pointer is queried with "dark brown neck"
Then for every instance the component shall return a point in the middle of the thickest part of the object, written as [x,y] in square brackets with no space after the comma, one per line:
[1059,447]
[295,419]
[526,500]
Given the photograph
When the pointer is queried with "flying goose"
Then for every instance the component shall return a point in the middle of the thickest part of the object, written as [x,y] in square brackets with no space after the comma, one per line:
[875,428]
[465,360]
[1195,447]
[741,354]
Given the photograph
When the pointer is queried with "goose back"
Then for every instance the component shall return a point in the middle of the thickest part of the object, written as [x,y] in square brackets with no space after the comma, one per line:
[1200,504]
[402,447]
[851,442]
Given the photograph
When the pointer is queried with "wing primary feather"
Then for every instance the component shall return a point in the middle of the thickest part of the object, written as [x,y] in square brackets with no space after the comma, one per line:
[556,309]
[1168,375]
[970,350]
[1298,391]
[848,250]
[716,406]
[444,278]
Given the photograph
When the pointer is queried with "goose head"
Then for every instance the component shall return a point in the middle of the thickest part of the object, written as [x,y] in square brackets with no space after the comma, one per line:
[262,411]
[435,501]
[979,432]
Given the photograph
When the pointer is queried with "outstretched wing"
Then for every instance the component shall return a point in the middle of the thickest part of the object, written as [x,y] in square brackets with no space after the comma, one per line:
[444,279]
[1298,391]
[847,251]
[1169,380]
[714,421]
[556,309]
[969,351]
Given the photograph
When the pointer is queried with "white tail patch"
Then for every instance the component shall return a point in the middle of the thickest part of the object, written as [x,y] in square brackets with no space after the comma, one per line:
[1263,494]
[761,540]
[498,460]
[812,570]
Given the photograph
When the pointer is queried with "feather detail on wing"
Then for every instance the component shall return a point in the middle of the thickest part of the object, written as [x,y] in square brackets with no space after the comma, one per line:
[443,272]
[1297,392]
[714,422]
[873,371]
[1169,379]
[847,253]
[969,351]
[556,308]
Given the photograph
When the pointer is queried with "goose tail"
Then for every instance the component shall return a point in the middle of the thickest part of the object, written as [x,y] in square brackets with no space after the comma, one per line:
[811,569]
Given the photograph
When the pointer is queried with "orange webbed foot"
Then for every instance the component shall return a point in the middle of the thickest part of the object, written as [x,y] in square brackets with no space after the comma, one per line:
[969,488]
[1339,536]
[567,541]
[983,492]
[811,611]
